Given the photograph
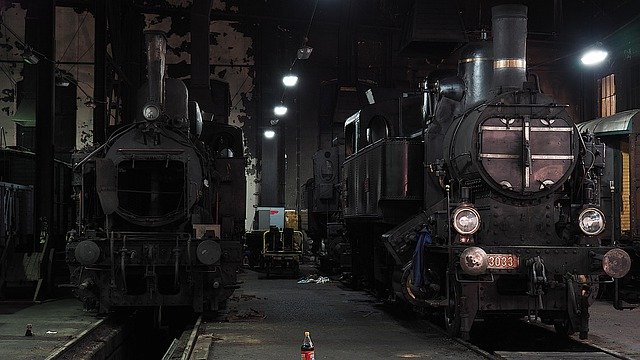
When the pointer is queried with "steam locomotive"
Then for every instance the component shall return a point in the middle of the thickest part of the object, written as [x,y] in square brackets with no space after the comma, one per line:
[321,199]
[480,197]
[160,204]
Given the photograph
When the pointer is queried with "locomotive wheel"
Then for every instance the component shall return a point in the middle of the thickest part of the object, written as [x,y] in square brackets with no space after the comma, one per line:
[411,294]
[416,295]
[452,318]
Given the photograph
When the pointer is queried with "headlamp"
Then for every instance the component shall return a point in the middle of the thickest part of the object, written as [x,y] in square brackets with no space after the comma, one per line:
[466,220]
[591,221]
[151,112]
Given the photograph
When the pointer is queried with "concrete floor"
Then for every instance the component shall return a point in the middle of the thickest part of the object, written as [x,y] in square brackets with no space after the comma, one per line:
[269,316]
[614,329]
[344,324]
[54,324]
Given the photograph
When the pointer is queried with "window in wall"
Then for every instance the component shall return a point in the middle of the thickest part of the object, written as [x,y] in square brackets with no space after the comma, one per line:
[607,87]
[625,208]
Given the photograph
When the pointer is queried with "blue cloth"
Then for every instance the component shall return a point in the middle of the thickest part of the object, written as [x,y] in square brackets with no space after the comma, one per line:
[423,239]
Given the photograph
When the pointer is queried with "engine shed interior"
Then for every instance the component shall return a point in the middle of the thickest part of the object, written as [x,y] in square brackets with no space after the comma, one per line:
[233,175]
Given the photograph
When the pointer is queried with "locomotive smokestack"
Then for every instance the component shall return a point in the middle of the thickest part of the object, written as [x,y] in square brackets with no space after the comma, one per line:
[156,50]
[509,27]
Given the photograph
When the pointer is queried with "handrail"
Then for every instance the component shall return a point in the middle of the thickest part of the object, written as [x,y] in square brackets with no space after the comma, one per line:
[3,137]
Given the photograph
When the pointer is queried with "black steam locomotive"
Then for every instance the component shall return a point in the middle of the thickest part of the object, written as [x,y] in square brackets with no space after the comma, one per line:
[480,196]
[160,204]
[321,199]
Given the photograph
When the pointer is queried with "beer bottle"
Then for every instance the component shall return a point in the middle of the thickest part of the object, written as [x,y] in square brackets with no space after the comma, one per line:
[307,351]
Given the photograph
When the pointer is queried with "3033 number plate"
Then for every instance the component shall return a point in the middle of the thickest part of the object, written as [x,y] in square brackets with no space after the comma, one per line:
[503,261]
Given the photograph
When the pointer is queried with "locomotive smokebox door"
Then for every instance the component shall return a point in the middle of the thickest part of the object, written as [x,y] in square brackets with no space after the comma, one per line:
[107,185]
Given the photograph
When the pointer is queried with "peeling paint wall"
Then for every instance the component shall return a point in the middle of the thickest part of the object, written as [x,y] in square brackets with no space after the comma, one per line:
[74,43]
[231,55]
[10,70]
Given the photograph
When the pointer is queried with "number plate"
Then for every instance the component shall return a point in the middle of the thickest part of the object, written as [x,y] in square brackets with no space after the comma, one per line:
[503,261]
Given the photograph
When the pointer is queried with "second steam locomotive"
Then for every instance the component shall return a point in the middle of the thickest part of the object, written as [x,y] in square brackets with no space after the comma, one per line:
[160,204]
[480,197]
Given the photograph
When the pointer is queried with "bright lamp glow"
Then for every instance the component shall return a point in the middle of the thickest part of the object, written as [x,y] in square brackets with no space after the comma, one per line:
[269,134]
[594,56]
[290,80]
[466,220]
[591,221]
[280,110]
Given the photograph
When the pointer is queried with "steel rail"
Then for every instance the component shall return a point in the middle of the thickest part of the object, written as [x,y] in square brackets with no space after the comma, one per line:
[58,353]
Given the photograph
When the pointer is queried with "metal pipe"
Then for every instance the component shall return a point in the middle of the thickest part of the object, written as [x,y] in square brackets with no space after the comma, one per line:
[156,51]
[111,257]
[3,137]
[100,72]
[42,15]
[176,267]
[509,27]
[123,254]
[199,87]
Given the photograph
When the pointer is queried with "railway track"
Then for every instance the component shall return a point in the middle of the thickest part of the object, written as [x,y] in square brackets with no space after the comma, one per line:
[104,339]
[515,339]
[192,345]
[518,340]
[135,334]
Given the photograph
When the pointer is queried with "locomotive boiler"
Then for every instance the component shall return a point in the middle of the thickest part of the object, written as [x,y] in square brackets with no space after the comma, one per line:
[481,197]
[158,203]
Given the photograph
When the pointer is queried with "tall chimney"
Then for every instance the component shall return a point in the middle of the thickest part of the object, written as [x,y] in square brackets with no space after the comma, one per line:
[509,27]
[156,50]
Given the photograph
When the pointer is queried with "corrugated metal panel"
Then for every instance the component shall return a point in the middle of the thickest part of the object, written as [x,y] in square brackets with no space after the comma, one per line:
[625,211]
[620,123]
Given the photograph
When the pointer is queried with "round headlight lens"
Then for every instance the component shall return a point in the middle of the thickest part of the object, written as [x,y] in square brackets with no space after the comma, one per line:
[591,221]
[466,220]
[151,112]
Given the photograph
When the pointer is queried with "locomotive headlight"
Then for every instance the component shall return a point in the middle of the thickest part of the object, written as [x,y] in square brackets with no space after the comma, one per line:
[466,220]
[591,221]
[151,112]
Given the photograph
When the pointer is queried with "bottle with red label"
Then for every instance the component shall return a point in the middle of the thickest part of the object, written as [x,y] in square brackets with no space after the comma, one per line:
[307,352]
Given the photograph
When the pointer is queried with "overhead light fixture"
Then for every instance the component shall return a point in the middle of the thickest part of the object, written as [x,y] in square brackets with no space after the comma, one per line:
[63,82]
[29,56]
[61,79]
[90,103]
[280,110]
[304,52]
[594,55]
[290,80]
[269,134]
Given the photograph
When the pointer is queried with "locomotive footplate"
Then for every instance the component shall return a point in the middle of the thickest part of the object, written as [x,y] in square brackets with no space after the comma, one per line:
[558,260]
[153,269]
[555,283]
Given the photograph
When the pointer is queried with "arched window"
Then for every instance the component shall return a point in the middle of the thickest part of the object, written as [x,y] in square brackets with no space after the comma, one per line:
[378,129]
